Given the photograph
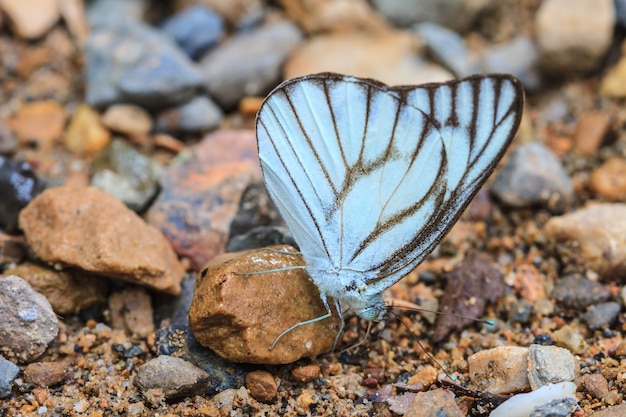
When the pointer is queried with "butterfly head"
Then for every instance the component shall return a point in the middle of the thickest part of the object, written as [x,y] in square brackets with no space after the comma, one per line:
[374,309]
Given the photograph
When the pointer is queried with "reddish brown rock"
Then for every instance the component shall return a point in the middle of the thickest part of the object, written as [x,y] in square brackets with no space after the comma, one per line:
[45,374]
[86,228]
[239,316]
[590,132]
[609,180]
[261,385]
[67,291]
[131,310]
[593,237]
[306,373]
[437,402]
[200,195]
[596,385]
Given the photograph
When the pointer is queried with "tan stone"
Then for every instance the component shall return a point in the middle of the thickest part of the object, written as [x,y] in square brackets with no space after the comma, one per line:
[131,310]
[306,373]
[500,370]
[41,122]
[609,180]
[437,402]
[239,316]
[31,19]
[128,119]
[590,132]
[86,228]
[85,135]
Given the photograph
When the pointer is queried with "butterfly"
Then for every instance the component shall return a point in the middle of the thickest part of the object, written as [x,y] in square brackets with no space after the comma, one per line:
[369,178]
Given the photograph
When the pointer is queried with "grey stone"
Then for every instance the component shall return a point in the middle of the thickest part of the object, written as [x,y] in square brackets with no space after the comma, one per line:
[195,29]
[602,315]
[200,114]
[549,365]
[8,372]
[447,47]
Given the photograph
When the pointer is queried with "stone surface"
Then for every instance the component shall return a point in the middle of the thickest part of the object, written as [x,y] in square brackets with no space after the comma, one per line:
[573,35]
[455,14]
[595,236]
[197,115]
[128,119]
[28,321]
[533,176]
[67,291]
[128,61]
[169,377]
[595,384]
[591,129]
[351,53]
[263,50]
[40,123]
[128,174]
[240,316]
[31,19]
[434,403]
[609,180]
[200,192]
[500,370]
[195,29]
[261,385]
[549,365]
[131,310]
[85,134]
[86,228]
[45,374]
[8,372]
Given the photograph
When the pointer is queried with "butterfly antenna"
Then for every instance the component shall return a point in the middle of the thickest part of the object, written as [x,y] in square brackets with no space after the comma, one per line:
[413,307]
[430,355]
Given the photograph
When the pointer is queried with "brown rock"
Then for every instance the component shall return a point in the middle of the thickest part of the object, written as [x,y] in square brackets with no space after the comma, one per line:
[609,180]
[170,377]
[617,411]
[261,385]
[41,122]
[590,132]
[85,135]
[67,291]
[596,385]
[205,190]
[351,53]
[425,377]
[240,316]
[131,310]
[594,236]
[86,228]
[434,403]
[500,370]
[45,374]
[31,19]
[530,283]
[128,119]
[306,373]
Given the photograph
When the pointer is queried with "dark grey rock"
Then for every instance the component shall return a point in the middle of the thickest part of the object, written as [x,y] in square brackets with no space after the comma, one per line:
[578,292]
[18,186]
[28,321]
[200,114]
[8,372]
[520,311]
[563,407]
[249,63]
[448,47]
[195,29]
[620,12]
[128,61]
[126,173]
[602,315]
[534,177]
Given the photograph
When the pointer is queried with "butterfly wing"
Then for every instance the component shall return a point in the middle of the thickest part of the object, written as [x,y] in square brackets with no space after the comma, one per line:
[369,178]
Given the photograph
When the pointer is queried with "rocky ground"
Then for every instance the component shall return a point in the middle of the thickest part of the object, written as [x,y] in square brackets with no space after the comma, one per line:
[128,161]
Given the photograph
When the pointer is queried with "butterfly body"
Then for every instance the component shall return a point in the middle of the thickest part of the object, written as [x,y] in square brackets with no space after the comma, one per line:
[369,178]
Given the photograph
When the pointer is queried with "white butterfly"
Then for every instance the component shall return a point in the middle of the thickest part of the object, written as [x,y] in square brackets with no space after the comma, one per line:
[369,178]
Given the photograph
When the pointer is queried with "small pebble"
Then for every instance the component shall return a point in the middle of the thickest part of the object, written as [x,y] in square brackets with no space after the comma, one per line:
[200,114]
[436,402]
[531,177]
[28,322]
[262,386]
[609,180]
[602,315]
[596,236]
[522,405]
[596,385]
[45,374]
[578,292]
[39,124]
[131,310]
[591,129]
[8,372]
[128,119]
[571,339]
[500,370]
[173,377]
[563,407]
[306,373]
[195,29]
[85,134]
[549,365]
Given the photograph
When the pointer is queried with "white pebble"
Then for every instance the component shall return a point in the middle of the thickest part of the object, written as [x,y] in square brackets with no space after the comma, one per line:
[521,405]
